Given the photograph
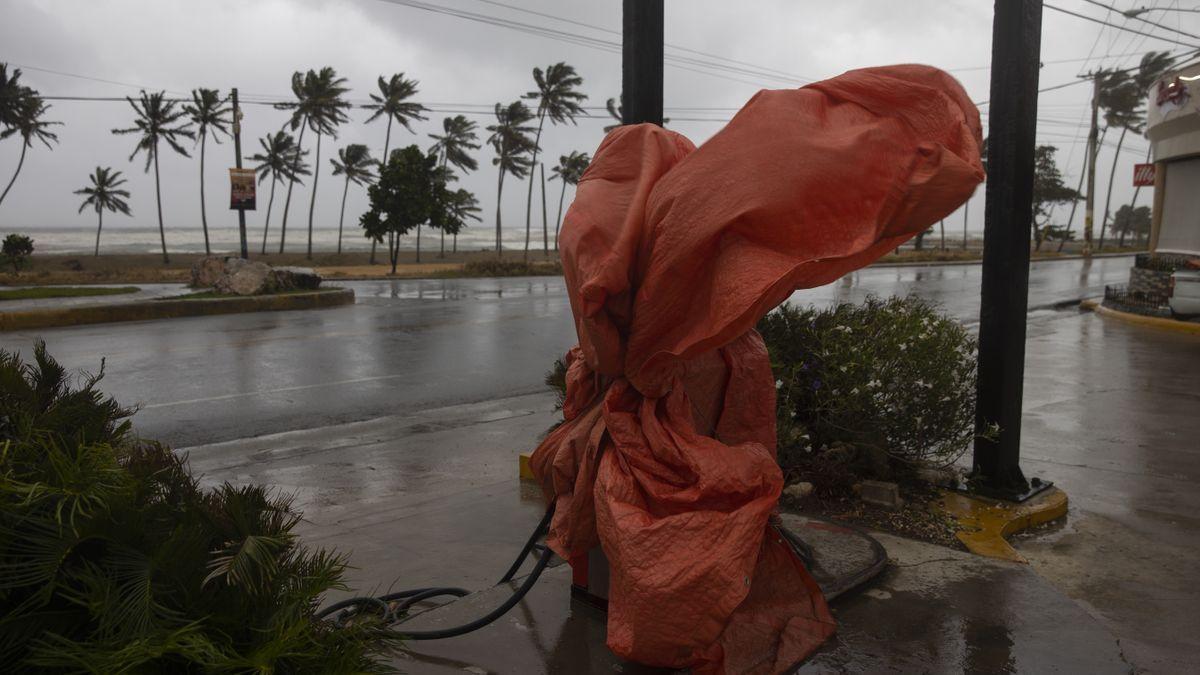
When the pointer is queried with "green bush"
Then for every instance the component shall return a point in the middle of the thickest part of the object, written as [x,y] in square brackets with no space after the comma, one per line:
[113,559]
[510,268]
[888,384]
[15,251]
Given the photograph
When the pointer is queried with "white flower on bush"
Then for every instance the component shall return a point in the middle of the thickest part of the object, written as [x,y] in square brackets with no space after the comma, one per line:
[778,384]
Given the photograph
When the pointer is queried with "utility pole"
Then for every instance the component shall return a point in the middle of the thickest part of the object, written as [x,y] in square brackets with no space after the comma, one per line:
[642,62]
[237,150]
[1008,219]
[1093,150]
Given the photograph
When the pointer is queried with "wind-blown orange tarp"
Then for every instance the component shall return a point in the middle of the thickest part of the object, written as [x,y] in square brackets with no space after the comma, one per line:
[671,256]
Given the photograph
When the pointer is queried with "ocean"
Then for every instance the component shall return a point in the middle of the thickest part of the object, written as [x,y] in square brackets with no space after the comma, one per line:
[81,240]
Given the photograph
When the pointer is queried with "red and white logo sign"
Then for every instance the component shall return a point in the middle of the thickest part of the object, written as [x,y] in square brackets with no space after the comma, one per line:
[1143,175]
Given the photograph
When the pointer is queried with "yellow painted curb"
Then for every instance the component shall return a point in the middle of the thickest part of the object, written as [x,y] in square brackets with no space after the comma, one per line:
[986,522]
[524,468]
[171,308]
[1190,327]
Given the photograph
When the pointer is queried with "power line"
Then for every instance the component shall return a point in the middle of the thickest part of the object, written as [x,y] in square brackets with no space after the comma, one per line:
[1113,25]
[1137,17]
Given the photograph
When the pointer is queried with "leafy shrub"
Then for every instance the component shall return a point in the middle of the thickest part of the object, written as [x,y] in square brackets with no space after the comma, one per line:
[510,268]
[113,559]
[16,250]
[888,384]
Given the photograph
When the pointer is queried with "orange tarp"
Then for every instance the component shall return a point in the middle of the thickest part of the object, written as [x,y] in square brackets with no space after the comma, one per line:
[671,254]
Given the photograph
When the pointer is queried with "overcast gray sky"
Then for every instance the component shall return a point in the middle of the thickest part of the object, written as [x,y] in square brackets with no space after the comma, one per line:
[176,45]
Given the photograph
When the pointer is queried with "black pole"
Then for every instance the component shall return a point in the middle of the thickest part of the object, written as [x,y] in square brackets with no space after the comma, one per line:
[237,149]
[1008,218]
[642,62]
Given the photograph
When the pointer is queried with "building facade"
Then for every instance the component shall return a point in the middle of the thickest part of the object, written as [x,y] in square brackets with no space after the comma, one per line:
[1173,126]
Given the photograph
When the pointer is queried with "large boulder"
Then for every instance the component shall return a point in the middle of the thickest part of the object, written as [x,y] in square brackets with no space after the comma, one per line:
[243,277]
[295,279]
[207,270]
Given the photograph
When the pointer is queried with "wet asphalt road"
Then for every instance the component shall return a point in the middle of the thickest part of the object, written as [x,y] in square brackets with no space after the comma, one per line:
[410,345]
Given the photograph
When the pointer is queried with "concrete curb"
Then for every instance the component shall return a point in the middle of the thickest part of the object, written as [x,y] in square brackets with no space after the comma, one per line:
[171,309]
[986,522]
[1097,306]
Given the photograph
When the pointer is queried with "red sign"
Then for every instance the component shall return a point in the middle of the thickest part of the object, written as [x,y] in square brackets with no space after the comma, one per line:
[1143,175]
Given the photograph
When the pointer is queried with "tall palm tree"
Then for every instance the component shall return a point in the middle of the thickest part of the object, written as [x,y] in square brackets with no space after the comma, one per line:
[457,137]
[208,112]
[318,106]
[158,119]
[355,163]
[558,99]
[1126,111]
[27,122]
[569,170]
[393,102]
[104,194]
[280,159]
[513,145]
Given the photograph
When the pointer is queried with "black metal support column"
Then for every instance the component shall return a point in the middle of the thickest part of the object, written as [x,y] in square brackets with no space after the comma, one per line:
[1008,213]
[642,62]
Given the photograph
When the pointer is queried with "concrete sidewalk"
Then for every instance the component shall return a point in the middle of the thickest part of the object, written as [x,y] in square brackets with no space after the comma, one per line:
[431,498]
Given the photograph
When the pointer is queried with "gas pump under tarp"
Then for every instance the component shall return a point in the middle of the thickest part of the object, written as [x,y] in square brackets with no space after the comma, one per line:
[665,467]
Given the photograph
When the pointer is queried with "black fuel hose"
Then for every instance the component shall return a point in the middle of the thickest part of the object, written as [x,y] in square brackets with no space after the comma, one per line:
[392,614]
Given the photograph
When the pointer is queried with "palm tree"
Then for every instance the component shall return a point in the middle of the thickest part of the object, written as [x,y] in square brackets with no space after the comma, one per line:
[207,112]
[455,208]
[104,194]
[27,122]
[558,99]
[355,162]
[569,170]
[158,119]
[11,93]
[511,141]
[1125,110]
[393,102]
[280,159]
[318,106]
[458,136]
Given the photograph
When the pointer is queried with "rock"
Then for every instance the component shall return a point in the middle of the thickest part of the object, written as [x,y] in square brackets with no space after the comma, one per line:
[295,279]
[947,476]
[798,490]
[243,277]
[207,270]
[880,493]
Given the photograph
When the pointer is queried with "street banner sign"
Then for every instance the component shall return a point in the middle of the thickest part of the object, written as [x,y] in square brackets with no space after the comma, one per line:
[1143,175]
[241,189]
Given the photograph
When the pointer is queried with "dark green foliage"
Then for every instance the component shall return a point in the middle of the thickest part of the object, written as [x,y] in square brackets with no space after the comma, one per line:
[556,379]
[1130,220]
[114,560]
[891,382]
[402,199]
[16,250]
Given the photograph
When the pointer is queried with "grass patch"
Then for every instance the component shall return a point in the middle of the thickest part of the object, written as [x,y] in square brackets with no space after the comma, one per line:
[42,292]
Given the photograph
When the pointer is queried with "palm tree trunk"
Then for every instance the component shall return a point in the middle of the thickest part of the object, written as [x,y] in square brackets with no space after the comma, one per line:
[99,226]
[162,232]
[558,222]
[387,140]
[537,143]
[966,212]
[12,180]
[545,220]
[1112,174]
[342,216]
[442,252]
[393,249]
[1078,188]
[942,231]
[203,214]
[499,195]
[287,203]
[312,202]
[1133,202]
[418,243]
[267,223]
